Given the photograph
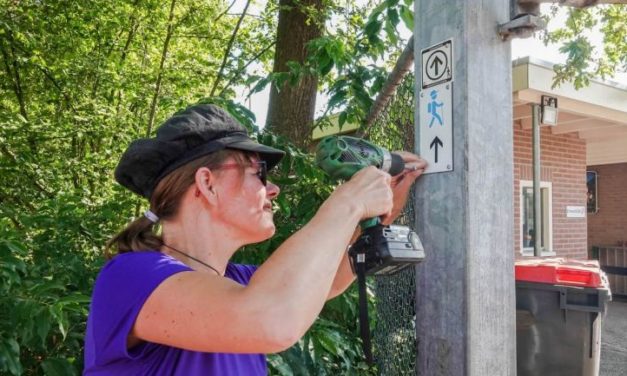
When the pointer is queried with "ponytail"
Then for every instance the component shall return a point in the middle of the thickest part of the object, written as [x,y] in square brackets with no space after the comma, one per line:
[139,234]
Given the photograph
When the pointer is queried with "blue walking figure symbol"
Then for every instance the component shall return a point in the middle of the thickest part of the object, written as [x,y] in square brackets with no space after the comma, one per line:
[432,108]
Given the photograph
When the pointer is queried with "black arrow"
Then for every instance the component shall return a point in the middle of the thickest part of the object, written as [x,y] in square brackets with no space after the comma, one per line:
[436,141]
[436,63]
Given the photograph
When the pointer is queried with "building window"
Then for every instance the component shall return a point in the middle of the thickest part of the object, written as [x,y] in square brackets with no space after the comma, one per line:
[528,228]
[591,182]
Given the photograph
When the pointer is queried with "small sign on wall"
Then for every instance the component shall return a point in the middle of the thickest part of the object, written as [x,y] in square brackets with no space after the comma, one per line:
[576,212]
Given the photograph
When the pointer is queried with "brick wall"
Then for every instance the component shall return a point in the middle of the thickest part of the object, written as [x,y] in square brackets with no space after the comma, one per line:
[563,161]
[609,225]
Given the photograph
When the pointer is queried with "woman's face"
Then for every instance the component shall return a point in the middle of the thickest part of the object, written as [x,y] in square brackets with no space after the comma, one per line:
[244,203]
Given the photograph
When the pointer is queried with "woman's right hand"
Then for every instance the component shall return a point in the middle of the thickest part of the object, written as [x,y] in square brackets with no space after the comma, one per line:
[368,192]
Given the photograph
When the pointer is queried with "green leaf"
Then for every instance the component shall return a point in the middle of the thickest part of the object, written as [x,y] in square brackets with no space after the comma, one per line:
[58,367]
[407,15]
[60,318]
[15,247]
[326,67]
[342,119]
[75,298]
[390,30]
[378,10]
[42,325]
[393,16]
[372,28]
[10,354]
[337,98]
[259,86]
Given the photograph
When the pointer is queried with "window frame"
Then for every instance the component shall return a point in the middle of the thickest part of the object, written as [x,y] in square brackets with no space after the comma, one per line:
[595,194]
[548,227]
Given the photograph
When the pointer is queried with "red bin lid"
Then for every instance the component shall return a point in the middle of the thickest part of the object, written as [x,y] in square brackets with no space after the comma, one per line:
[560,271]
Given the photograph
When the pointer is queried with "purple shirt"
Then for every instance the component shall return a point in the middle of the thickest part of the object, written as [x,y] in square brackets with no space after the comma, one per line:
[121,289]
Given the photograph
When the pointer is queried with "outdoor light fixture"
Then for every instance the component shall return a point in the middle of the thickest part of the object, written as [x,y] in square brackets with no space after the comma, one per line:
[548,110]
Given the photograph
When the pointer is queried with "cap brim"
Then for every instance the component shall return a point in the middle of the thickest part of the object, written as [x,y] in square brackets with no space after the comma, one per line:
[271,156]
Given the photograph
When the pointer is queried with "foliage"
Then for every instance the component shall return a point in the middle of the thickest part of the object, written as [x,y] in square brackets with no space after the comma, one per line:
[352,58]
[78,80]
[361,62]
[584,60]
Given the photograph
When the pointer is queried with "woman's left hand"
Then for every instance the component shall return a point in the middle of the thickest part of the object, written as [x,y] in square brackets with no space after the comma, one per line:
[401,183]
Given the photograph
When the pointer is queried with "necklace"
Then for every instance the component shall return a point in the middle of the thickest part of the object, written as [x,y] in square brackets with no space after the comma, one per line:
[193,258]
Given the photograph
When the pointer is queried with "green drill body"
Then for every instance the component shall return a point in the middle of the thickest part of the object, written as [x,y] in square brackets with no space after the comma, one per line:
[341,157]
[379,250]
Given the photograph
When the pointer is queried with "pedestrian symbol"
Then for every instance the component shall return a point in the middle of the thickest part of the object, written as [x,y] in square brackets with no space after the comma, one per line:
[432,108]
[436,127]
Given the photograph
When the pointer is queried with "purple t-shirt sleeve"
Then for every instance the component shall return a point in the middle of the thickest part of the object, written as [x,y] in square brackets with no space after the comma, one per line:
[120,292]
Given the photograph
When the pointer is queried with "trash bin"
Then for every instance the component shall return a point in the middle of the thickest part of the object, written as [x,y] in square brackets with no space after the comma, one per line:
[560,305]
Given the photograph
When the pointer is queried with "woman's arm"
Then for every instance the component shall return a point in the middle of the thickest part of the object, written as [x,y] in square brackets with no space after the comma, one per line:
[344,276]
[202,312]
[401,185]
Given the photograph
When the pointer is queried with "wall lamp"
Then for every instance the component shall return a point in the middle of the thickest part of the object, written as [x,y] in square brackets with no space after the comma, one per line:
[548,110]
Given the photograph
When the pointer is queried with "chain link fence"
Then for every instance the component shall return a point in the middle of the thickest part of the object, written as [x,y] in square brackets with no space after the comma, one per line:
[394,335]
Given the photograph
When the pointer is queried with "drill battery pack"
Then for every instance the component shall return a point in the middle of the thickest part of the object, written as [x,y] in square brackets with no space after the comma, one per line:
[386,250]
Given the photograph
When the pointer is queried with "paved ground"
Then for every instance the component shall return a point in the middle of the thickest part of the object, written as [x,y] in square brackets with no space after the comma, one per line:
[614,340]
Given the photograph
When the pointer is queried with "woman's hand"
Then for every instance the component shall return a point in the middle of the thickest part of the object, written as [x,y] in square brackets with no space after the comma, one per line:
[401,183]
[368,192]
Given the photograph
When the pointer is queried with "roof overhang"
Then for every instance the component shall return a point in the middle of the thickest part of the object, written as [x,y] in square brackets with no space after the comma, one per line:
[597,113]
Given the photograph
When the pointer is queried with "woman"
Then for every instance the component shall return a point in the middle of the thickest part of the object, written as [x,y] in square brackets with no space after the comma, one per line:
[172,304]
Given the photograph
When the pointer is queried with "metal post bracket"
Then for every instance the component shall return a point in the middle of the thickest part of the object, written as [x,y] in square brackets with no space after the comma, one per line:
[522,26]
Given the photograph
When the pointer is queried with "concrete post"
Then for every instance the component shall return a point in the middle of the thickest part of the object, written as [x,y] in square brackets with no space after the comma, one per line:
[465,302]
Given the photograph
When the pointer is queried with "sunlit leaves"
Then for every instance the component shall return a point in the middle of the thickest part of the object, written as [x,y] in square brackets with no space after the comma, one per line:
[584,60]
[76,82]
[76,79]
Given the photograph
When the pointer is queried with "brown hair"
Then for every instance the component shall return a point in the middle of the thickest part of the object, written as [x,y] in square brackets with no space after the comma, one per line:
[141,234]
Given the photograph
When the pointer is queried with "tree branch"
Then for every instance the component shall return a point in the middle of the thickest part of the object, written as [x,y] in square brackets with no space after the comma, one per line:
[134,24]
[17,86]
[228,49]
[402,67]
[198,36]
[5,150]
[236,74]
[225,12]
[15,221]
[164,54]
[50,77]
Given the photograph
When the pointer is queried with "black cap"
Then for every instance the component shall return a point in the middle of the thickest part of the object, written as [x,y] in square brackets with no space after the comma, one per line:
[190,134]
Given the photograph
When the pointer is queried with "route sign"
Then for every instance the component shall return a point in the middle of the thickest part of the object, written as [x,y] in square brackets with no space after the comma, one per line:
[436,127]
[437,64]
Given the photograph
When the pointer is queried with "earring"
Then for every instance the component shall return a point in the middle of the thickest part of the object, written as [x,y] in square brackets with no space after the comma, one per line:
[197,194]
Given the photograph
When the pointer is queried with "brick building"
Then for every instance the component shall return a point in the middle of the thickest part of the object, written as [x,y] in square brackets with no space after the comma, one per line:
[591,135]
[583,171]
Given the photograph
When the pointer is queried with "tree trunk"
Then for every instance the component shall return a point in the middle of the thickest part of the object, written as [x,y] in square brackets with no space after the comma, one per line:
[164,55]
[291,108]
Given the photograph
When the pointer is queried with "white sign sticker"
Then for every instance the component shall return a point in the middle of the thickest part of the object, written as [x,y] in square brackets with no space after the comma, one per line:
[575,211]
[437,64]
[436,127]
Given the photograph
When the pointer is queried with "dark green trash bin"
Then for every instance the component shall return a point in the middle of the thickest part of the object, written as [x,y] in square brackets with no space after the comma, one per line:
[560,306]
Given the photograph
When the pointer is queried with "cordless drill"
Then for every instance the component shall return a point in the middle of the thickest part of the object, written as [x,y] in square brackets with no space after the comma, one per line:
[383,250]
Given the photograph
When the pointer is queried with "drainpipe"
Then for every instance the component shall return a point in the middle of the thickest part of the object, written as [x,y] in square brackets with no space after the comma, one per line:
[535,124]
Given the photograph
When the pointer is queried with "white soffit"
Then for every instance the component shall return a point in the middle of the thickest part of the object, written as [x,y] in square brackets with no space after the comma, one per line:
[598,112]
